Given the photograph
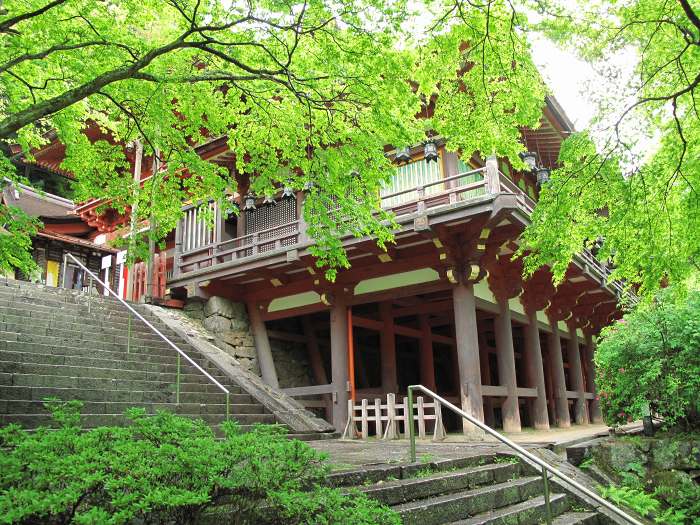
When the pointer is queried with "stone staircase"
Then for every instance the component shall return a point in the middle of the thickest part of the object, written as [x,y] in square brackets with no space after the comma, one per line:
[478,490]
[60,343]
[487,489]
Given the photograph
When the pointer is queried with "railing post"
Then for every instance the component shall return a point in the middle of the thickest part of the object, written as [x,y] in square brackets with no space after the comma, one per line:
[493,185]
[409,423]
[89,293]
[547,504]
[177,384]
[255,245]
[178,247]
[128,334]
[228,406]
[420,191]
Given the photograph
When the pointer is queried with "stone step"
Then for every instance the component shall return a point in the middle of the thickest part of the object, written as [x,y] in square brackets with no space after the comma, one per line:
[96,420]
[370,474]
[112,407]
[47,336]
[425,486]
[96,360]
[81,331]
[53,317]
[84,342]
[69,320]
[93,313]
[462,504]
[188,374]
[58,381]
[577,518]
[144,354]
[529,512]
[313,436]
[90,308]
[29,393]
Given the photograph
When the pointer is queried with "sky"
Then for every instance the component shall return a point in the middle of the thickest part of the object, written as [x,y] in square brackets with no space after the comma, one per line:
[567,77]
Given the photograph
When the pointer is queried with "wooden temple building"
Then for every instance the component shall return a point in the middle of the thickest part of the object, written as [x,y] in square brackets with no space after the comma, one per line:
[445,306]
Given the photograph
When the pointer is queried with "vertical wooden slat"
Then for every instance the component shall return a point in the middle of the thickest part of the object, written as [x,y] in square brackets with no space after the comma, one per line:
[378,417]
[421,418]
[364,419]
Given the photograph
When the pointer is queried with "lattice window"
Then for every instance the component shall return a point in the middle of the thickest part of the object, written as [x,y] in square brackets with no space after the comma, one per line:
[418,173]
[273,222]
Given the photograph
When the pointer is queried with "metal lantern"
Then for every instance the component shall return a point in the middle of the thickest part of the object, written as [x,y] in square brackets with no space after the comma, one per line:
[542,176]
[403,155]
[355,174]
[231,207]
[288,193]
[529,158]
[249,204]
[308,186]
[269,201]
[430,152]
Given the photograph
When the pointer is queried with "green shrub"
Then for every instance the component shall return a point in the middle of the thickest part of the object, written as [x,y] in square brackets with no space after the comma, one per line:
[652,357]
[166,469]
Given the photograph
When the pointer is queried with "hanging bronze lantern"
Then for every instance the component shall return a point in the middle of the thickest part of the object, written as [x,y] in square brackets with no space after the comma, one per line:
[430,151]
[269,200]
[249,204]
[529,158]
[542,176]
[288,193]
[403,155]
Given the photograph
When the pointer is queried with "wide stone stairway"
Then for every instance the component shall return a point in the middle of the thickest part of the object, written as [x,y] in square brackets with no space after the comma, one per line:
[476,490]
[64,344]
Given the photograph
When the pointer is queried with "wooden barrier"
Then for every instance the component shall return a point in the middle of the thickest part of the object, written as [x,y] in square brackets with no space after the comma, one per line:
[383,420]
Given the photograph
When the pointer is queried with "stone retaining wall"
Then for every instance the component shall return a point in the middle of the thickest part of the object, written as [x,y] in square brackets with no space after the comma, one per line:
[228,323]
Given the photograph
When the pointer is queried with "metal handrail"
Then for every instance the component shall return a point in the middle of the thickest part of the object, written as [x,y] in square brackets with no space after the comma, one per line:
[180,353]
[546,467]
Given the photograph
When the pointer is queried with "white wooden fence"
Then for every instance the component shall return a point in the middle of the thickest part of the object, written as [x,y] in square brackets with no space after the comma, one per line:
[387,420]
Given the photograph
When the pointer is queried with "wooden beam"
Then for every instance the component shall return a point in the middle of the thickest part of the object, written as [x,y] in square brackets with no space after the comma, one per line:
[415,333]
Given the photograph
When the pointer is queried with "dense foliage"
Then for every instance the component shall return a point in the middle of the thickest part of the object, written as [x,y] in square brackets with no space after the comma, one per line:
[16,230]
[653,476]
[631,183]
[167,469]
[652,357]
[308,91]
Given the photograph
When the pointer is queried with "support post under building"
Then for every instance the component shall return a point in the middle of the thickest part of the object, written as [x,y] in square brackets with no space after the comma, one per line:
[262,346]
[534,371]
[561,403]
[339,363]
[468,354]
[506,367]
[576,374]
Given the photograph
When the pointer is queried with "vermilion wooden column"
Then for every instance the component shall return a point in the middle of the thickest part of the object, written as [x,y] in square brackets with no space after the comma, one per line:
[339,363]
[262,346]
[561,403]
[387,343]
[468,354]
[506,367]
[596,416]
[427,361]
[576,373]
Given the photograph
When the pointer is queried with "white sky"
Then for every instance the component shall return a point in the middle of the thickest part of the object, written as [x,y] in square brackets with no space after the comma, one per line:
[567,77]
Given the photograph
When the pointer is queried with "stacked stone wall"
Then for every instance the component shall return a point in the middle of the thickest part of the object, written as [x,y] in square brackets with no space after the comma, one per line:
[228,323]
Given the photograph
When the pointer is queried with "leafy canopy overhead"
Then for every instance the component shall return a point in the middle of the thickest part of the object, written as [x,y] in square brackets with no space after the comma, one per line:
[305,91]
[631,182]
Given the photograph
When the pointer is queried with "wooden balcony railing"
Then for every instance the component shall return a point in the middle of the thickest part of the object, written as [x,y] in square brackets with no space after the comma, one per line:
[204,251]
